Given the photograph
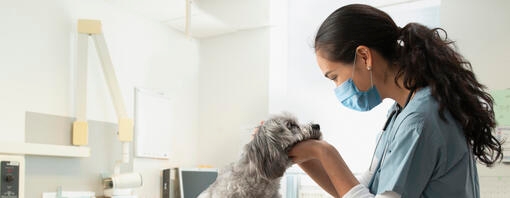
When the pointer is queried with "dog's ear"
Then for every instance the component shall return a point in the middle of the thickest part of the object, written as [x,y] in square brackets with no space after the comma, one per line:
[265,157]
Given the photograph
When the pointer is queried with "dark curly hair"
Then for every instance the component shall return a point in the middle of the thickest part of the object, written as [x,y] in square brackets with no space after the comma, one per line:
[422,57]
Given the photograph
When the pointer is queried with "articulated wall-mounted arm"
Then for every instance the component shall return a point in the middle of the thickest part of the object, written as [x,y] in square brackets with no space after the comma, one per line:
[92,28]
[86,29]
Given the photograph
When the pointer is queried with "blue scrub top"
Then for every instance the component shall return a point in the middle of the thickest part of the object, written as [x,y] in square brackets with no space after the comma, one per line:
[423,155]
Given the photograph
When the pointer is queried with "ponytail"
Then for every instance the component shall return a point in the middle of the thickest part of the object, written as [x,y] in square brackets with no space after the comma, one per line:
[422,57]
[426,59]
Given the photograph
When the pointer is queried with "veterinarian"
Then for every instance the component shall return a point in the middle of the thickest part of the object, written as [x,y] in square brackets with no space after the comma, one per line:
[439,126]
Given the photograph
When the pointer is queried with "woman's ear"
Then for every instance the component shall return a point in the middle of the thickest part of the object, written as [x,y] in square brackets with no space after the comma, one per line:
[365,55]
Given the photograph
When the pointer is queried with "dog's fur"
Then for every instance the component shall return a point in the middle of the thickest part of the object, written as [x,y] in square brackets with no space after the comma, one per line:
[263,161]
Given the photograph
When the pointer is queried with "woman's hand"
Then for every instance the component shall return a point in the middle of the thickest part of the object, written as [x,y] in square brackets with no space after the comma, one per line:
[306,150]
[324,164]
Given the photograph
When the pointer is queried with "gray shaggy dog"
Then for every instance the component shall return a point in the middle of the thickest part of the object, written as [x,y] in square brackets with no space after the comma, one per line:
[263,161]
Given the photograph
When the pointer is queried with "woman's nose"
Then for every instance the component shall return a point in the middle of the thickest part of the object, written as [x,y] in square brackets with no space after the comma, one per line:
[316,127]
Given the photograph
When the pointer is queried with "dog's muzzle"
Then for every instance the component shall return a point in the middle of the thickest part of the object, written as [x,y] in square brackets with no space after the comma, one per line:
[316,127]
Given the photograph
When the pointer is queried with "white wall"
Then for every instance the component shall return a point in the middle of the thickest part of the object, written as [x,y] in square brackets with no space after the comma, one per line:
[36,53]
[480,29]
[233,93]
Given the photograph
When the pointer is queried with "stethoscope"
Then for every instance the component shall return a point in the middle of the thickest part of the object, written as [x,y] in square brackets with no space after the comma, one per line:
[393,114]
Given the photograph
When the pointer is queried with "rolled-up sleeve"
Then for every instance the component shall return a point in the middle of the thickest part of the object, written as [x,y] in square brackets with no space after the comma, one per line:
[361,191]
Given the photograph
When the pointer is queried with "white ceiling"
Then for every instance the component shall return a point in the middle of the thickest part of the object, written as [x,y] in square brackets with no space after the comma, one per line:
[208,18]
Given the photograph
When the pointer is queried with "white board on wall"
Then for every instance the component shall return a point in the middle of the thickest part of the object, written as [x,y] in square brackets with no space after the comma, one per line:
[153,128]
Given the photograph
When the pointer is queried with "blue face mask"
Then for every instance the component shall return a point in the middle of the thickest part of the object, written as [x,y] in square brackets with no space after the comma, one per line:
[351,97]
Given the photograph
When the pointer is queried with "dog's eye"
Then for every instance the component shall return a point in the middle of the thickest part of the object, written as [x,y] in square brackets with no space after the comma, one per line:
[291,125]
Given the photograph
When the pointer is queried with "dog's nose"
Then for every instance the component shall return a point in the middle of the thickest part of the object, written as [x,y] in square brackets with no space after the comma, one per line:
[316,127]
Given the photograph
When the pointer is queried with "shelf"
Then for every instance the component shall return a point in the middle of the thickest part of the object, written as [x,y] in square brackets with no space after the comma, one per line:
[43,149]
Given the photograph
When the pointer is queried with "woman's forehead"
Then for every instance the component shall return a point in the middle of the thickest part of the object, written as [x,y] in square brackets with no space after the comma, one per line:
[326,65]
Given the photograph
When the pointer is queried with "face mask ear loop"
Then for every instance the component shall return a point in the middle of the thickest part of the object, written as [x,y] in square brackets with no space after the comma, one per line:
[354,68]
[371,82]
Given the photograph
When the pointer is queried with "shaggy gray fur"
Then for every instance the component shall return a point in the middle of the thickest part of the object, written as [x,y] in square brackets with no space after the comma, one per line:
[264,160]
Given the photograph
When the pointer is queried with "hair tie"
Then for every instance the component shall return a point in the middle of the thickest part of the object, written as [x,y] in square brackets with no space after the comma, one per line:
[400,42]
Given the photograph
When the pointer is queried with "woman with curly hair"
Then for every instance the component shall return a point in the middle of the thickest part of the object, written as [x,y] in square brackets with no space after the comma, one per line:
[440,125]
